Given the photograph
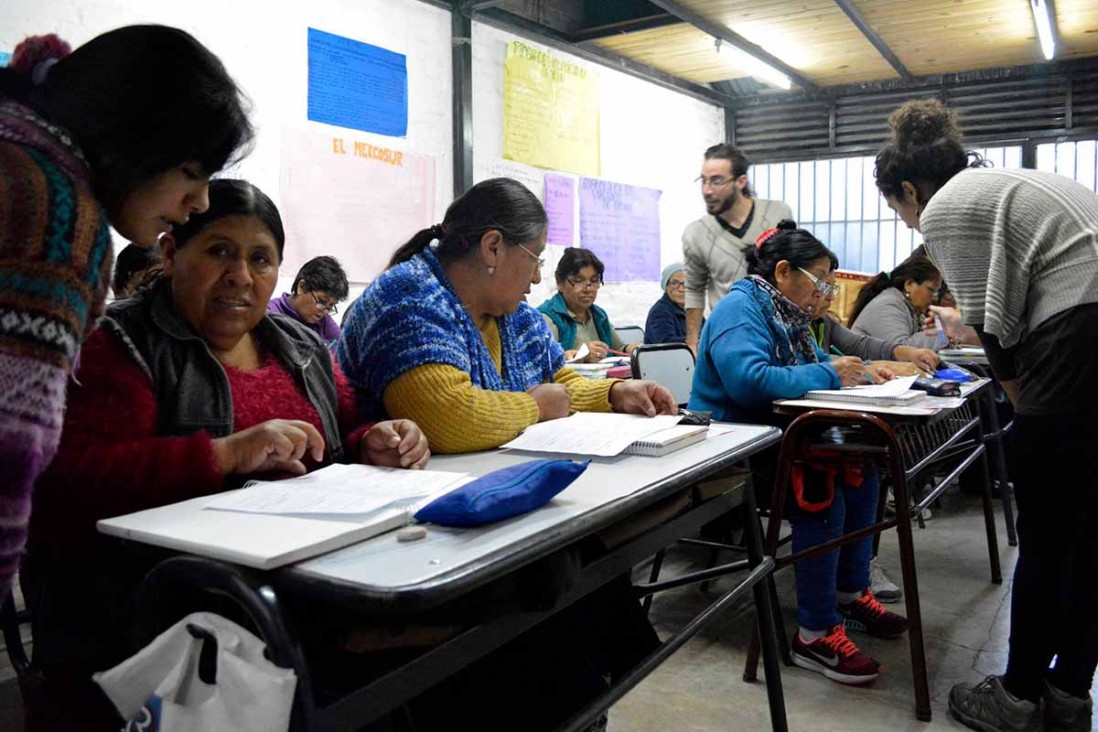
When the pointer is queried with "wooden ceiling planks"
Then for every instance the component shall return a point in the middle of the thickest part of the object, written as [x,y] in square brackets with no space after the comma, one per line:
[1077,21]
[813,36]
[816,38]
[947,36]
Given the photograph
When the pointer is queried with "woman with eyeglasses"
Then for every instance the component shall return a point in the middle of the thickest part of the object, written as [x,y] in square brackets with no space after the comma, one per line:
[666,321]
[572,315]
[444,336]
[319,286]
[893,305]
[757,347]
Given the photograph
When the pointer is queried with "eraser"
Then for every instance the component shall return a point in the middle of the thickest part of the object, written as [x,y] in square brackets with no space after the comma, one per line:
[411,533]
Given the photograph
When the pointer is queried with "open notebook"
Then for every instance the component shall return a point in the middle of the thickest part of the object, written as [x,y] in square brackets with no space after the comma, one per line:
[271,524]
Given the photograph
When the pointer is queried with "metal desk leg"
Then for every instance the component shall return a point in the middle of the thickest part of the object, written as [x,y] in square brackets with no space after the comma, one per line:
[765,609]
[911,590]
[989,516]
[1006,493]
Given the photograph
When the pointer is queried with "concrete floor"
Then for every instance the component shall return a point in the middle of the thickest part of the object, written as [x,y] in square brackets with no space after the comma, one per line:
[699,689]
[966,625]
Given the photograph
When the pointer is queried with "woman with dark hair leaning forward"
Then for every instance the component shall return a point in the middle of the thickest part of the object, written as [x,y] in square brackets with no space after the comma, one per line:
[1019,249]
[318,288]
[444,337]
[756,347]
[125,131]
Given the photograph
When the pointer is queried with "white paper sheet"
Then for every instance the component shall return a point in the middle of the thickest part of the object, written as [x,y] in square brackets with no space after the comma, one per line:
[581,353]
[895,387]
[587,433]
[338,490]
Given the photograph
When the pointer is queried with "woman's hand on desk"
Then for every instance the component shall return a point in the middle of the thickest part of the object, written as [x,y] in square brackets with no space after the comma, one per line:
[597,350]
[850,369]
[396,443]
[642,397]
[552,400]
[275,445]
[922,358]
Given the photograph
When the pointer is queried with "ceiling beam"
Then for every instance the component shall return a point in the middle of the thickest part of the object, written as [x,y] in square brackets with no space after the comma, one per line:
[504,20]
[727,35]
[856,17]
[608,30]
[473,6]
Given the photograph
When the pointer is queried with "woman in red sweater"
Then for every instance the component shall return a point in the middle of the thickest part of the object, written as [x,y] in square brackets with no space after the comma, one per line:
[187,389]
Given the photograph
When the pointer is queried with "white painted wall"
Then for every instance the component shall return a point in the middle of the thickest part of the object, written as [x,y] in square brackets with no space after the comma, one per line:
[651,137]
[263,44]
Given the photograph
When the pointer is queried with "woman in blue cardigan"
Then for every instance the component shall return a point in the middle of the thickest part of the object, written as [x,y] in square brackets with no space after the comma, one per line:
[757,347]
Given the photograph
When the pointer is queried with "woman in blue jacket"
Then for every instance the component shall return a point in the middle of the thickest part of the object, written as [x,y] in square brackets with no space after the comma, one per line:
[667,318]
[757,347]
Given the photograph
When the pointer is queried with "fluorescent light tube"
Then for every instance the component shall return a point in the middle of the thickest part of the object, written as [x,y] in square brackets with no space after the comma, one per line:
[1044,27]
[756,68]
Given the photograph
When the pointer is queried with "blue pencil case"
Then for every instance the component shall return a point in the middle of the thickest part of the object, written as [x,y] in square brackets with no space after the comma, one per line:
[502,493]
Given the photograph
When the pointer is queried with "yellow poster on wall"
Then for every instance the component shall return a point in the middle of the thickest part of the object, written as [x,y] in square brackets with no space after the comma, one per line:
[550,111]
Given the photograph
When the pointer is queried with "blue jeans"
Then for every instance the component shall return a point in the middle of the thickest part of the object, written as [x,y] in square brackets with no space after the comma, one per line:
[846,569]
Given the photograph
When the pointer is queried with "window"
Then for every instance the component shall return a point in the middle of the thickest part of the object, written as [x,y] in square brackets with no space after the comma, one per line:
[837,200]
[1076,160]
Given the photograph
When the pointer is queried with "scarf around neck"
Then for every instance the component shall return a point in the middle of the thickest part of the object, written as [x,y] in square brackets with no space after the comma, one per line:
[791,325]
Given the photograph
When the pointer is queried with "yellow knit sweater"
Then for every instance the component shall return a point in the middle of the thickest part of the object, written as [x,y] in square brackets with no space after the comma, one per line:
[459,417]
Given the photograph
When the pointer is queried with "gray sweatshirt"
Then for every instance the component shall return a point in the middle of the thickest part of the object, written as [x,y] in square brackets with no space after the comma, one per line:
[890,317]
[714,257]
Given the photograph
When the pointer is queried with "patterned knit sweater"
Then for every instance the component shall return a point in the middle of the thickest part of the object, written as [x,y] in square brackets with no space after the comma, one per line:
[411,350]
[55,259]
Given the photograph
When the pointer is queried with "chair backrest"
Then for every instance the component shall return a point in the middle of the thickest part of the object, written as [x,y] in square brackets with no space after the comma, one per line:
[670,364]
[631,333]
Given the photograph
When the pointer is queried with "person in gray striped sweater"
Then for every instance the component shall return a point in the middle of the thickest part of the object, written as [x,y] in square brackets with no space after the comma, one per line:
[713,246]
[1019,248]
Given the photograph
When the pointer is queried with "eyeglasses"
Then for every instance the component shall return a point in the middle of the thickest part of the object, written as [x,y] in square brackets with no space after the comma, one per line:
[676,284]
[826,289]
[717,181]
[934,291]
[584,284]
[539,260]
[330,308]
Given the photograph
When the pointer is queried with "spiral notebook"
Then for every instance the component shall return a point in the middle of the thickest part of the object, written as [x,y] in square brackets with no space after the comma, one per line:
[668,440]
[897,392]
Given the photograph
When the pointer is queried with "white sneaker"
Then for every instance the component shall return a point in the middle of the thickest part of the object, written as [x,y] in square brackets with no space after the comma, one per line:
[882,587]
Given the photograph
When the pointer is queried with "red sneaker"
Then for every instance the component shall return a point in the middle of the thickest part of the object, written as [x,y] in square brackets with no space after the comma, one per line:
[836,657]
[869,616]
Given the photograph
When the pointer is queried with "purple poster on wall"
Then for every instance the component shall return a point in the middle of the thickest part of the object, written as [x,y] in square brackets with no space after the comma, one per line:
[621,224]
[560,205]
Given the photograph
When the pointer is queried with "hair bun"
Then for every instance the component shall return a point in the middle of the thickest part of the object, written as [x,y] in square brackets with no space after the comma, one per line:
[922,122]
[33,50]
[786,225]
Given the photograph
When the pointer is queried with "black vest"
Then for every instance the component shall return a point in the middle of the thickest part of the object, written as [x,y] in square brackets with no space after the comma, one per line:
[191,387]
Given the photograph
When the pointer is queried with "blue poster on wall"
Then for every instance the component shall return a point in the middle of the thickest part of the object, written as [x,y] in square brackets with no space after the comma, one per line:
[356,85]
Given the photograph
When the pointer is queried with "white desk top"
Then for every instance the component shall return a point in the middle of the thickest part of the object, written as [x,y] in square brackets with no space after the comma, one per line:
[607,490]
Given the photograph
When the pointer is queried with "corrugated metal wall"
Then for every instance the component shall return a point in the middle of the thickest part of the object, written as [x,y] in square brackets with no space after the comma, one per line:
[1012,104]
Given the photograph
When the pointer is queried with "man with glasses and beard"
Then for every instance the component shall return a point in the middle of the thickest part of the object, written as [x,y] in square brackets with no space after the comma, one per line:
[713,246]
